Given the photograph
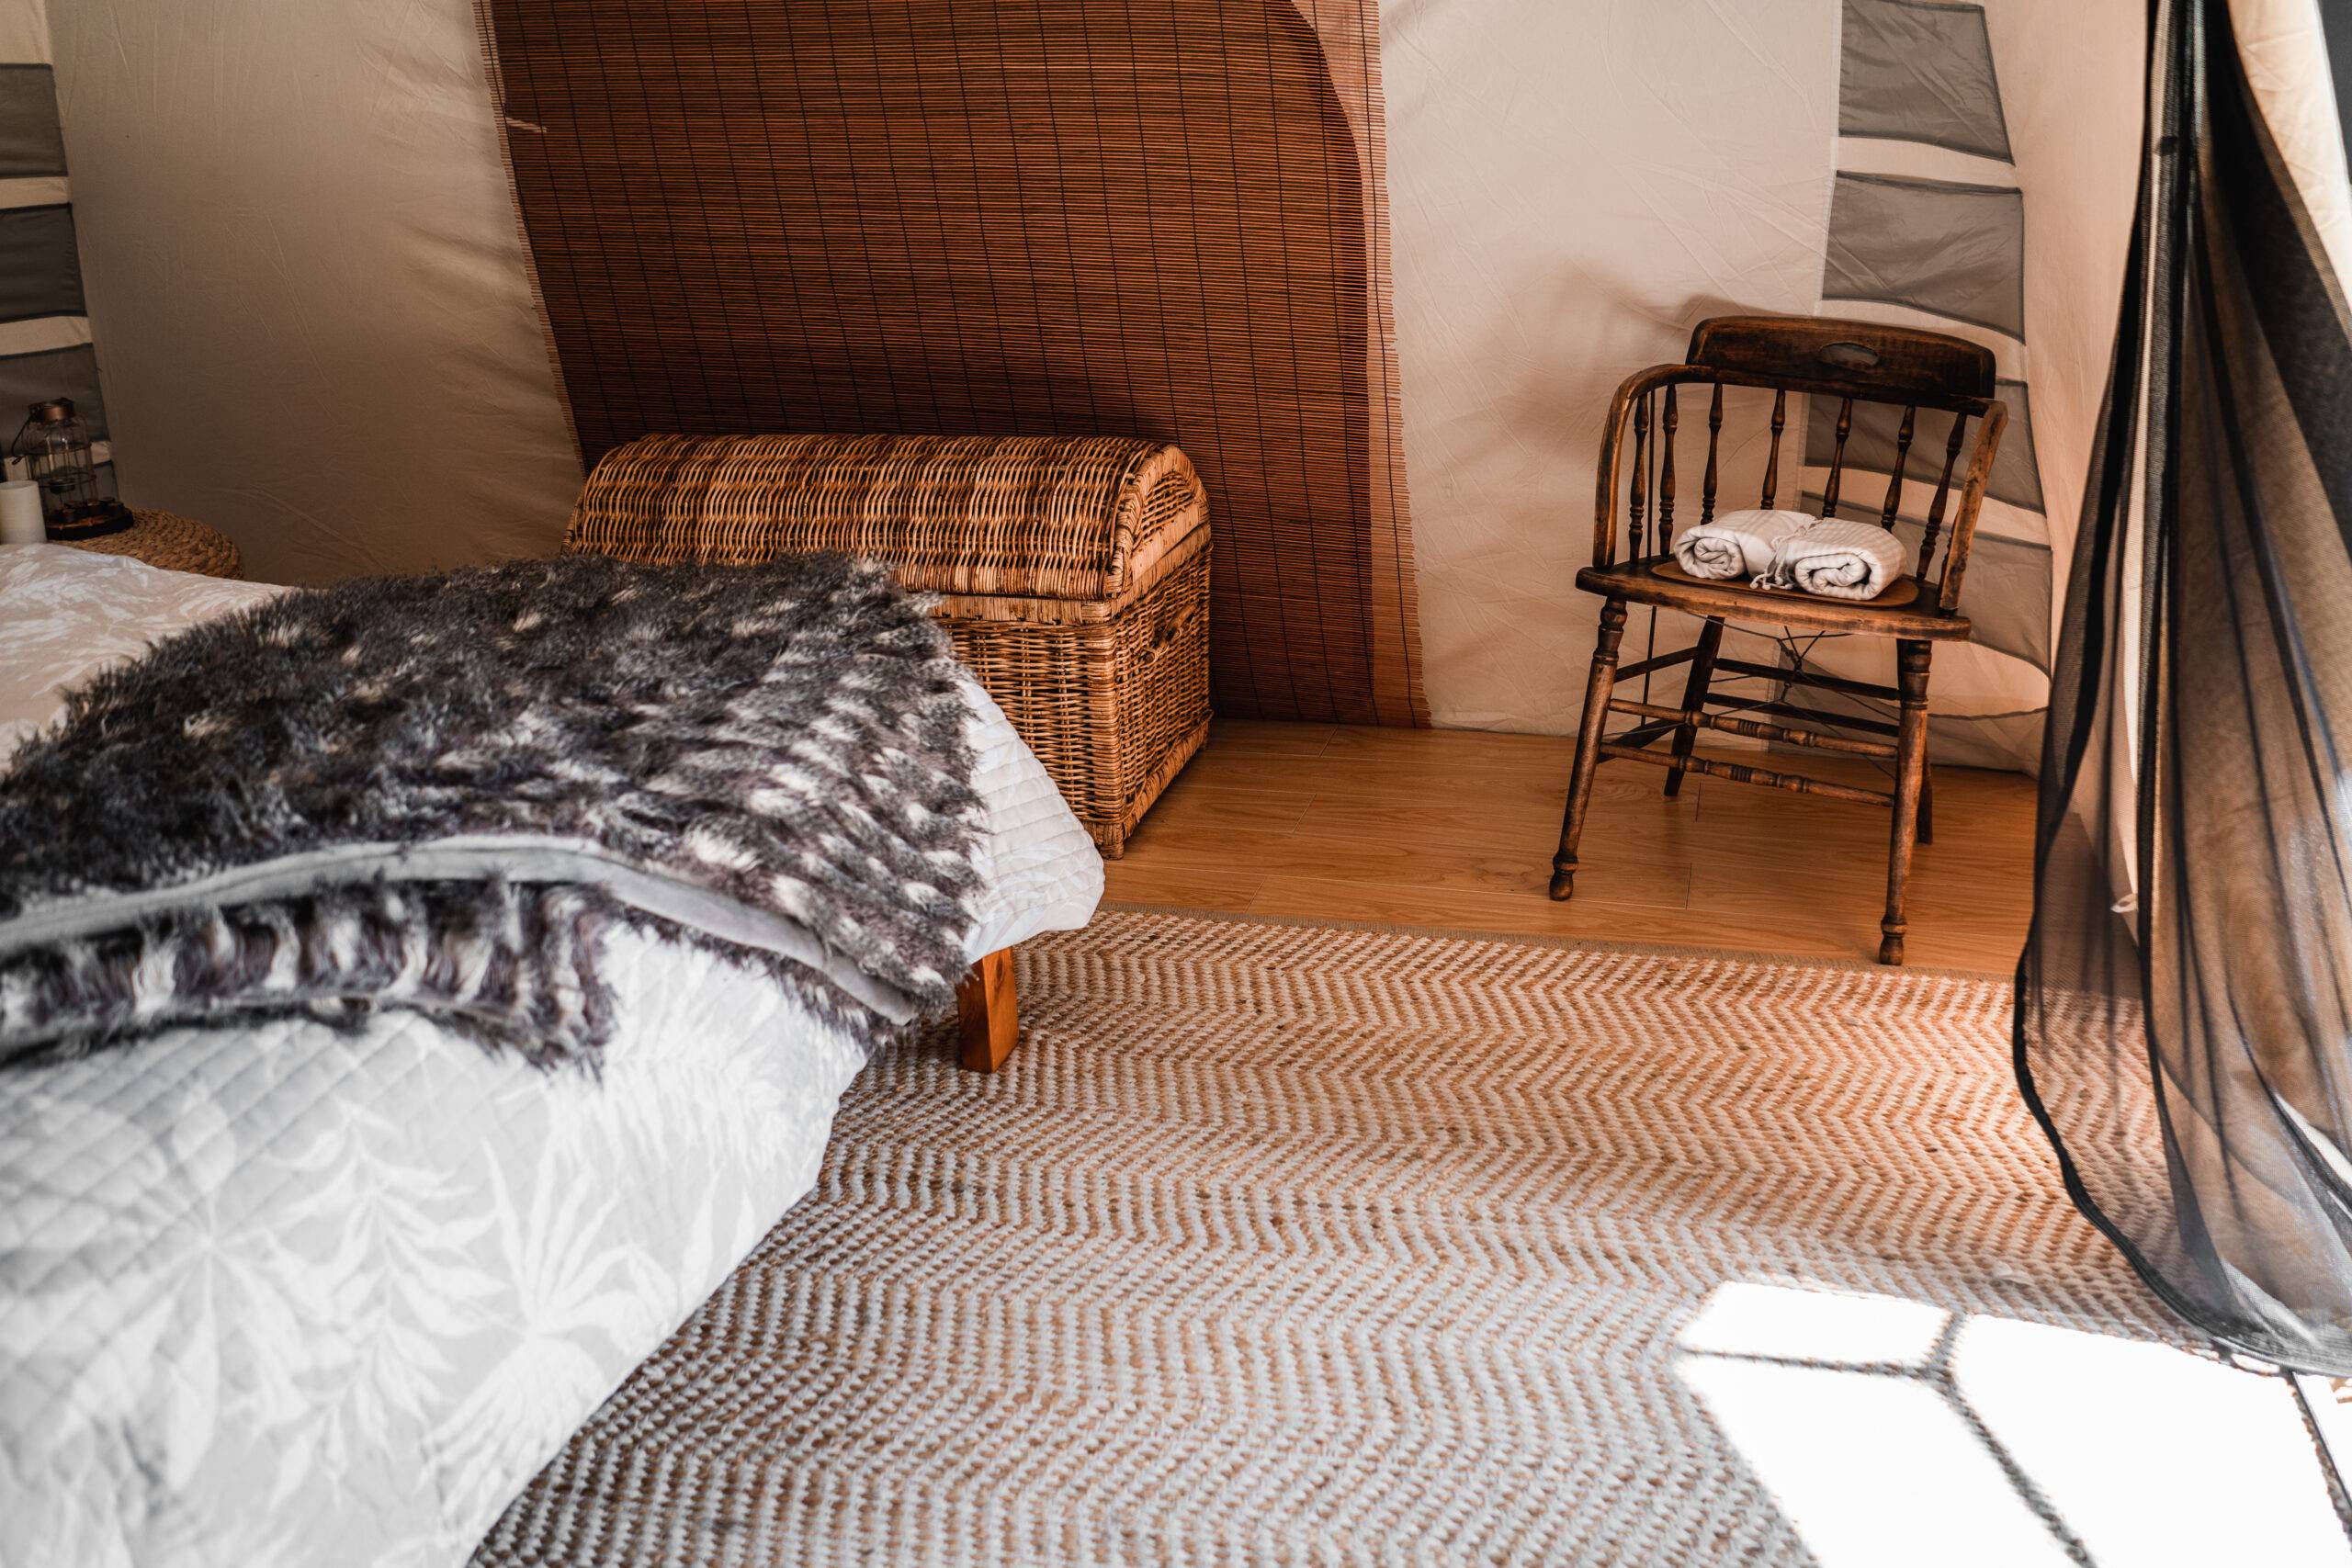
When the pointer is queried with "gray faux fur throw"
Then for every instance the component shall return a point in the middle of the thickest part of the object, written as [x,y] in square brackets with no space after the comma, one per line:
[440,792]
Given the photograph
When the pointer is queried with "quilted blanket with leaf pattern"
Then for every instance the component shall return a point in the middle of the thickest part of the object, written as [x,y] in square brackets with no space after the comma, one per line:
[305,1292]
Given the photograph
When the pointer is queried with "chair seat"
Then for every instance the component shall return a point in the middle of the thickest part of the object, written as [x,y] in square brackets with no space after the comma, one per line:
[1908,608]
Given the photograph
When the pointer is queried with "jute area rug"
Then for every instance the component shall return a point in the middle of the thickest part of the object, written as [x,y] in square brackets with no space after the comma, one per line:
[1286,1244]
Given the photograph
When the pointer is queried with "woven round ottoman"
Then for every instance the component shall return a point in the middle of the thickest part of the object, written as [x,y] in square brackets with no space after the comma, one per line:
[170,541]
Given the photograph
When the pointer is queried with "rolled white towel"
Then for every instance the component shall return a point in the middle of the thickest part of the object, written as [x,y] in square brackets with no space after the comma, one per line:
[1737,544]
[1838,559]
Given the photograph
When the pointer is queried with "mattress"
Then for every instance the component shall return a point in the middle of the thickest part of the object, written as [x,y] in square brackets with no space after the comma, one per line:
[291,1294]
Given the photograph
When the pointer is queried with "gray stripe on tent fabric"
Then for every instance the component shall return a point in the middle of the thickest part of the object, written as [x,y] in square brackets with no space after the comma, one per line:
[36,378]
[1914,71]
[1934,245]
[2006,740]
[1869,448]
[2016,467]
[2335,28]
[2007,594]
[40,269]
[32,144]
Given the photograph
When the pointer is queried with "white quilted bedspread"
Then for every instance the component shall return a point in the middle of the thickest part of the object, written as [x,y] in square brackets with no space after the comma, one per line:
[286,1295]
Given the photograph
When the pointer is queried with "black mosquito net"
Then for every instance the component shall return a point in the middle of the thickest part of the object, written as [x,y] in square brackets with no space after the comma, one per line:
[2184,1002]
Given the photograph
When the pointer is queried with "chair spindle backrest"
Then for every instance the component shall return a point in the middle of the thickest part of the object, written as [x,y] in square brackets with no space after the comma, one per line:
[1635,536]
[1848,361]
[1714,438]
[1894,478]
[1837,458]
[1935,523]
[1665,473]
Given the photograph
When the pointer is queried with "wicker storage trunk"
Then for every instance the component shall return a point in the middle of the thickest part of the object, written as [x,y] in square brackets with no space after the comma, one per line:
[1073,573]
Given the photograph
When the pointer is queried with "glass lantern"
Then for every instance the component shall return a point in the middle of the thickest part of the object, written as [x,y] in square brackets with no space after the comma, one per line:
[54,446]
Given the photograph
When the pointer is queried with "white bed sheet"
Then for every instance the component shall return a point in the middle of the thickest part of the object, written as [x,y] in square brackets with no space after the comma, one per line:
[285,1294]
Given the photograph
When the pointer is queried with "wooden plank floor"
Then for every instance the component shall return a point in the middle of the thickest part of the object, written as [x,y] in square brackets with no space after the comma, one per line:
[1456,827]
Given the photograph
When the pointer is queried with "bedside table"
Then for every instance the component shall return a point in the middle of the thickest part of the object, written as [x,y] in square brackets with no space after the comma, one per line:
[170,541]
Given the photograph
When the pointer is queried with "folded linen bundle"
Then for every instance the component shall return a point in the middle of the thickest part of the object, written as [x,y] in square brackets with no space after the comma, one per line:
[1737,544]
[1838,559]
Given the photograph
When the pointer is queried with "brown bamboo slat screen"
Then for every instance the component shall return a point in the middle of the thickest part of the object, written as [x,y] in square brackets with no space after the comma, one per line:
[1154,217]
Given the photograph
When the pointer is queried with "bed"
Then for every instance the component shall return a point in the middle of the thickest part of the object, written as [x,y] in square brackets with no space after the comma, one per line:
[286,1293]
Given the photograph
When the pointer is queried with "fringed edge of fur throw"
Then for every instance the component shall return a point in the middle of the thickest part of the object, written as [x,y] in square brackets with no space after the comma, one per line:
[789,737]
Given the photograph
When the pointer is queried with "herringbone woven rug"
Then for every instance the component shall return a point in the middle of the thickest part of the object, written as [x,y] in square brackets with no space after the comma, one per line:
[1286,1244]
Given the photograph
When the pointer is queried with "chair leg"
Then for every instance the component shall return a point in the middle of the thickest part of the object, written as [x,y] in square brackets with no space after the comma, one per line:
[1694,700]
[1910,773]
[1927,803]
[1596,717]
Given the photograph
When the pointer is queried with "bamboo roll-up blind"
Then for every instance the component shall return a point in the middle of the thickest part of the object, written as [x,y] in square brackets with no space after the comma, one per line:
[1154,217]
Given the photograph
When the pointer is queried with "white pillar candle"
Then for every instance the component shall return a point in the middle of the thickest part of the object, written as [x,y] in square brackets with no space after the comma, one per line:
[20,520]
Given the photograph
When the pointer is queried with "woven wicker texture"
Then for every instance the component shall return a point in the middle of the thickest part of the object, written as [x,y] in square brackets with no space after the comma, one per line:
[1142,216]
[1275,1243]
[1074,572]
[1080,519]
[173,542]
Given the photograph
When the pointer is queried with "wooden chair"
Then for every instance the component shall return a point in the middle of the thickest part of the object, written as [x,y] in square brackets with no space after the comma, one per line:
[1851,361]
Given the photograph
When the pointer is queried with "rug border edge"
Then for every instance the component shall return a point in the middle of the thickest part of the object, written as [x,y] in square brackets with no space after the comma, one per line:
[2006,978]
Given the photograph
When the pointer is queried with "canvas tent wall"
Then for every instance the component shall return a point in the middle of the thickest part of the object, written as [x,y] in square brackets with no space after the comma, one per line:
[305,259]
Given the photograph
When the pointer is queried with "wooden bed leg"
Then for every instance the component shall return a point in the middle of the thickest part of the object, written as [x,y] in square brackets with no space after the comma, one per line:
[989,1013]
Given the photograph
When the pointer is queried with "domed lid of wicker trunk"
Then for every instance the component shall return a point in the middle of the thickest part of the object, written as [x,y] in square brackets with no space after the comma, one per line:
[168,540]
